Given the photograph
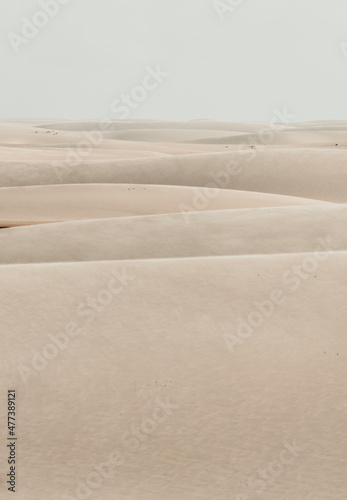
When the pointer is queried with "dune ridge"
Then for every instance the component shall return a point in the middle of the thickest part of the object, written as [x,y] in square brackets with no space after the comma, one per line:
[174,308]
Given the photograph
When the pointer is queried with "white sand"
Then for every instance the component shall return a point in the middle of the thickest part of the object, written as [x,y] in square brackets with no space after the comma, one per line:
[198,234]
[168,340]
[37,204]
[318,173]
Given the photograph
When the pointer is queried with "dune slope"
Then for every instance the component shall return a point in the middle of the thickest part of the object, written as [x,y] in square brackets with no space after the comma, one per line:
[173,309]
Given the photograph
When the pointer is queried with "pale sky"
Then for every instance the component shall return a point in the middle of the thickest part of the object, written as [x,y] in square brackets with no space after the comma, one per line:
[258,55]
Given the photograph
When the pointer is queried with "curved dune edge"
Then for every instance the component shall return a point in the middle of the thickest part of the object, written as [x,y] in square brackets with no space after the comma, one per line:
[213,233]
[237,406]
[56,203]
[317,174]
[190,340]
[60,154]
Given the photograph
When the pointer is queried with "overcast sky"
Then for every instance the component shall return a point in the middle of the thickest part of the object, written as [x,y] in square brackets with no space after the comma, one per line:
[174,59]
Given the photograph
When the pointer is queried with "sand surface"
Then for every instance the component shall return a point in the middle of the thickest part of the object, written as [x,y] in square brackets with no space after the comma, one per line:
[308,173]
[196,234]
[173,309]
[38,204]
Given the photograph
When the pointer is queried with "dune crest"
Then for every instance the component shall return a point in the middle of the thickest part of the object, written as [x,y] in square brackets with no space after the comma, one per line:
[174,308]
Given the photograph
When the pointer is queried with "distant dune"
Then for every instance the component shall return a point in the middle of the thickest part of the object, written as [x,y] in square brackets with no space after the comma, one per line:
[38,204]
[173,311]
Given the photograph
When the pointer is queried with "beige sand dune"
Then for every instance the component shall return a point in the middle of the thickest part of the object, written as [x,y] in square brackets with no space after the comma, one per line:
[311,127]
[208,233]
[90,147]
[86,125]
[324,124]
[57,203]
[306,173]
[69,154]
[298,137]
[154,384]
[21,137]
[155,137]
[170,148]
[82,144]
[172,135]
[30,134]
[167,340]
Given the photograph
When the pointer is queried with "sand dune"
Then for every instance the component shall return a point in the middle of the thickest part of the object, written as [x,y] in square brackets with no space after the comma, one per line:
[37,204]
[166,338]
[303,137]
[157,125]
[317,174]
[173,308]
[199,234]
[173,135]
[67,155]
